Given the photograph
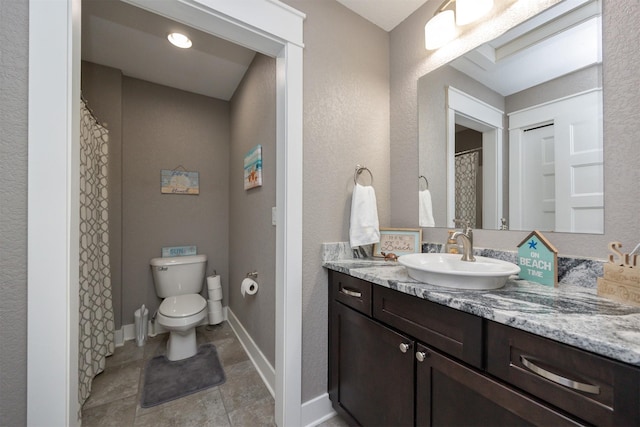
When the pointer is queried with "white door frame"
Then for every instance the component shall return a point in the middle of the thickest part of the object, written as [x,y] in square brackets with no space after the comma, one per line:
[267,26]
[459,102]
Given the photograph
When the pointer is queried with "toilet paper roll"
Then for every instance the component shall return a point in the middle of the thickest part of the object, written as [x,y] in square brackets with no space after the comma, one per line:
[213,282]
[215,317]
[215,294]
[215,312]
[248,287]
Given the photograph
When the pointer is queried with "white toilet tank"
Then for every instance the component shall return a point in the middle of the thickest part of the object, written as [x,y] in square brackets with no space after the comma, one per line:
[182,275]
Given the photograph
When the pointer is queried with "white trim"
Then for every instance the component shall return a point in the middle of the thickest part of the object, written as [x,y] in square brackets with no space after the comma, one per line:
[474,107]
[53,214]
[289,180]
[459,102]
[317,410]
[542,113]
[128,332]
[259,360]
[54,82]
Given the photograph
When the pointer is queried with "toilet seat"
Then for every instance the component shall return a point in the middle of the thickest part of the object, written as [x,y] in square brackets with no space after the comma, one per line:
[182,306]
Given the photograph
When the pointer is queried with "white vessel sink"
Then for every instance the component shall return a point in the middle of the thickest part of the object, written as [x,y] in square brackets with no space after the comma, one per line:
[449,271]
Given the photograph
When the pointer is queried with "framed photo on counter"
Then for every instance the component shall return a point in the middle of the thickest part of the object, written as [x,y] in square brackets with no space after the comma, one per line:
[398,241]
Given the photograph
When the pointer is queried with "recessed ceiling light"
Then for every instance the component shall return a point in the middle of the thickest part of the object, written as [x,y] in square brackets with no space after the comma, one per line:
[179,40]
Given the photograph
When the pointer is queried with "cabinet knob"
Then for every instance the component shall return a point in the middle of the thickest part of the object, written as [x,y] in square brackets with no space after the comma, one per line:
[421,355]
[404,347]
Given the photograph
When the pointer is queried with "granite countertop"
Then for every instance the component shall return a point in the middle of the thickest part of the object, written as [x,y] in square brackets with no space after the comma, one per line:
[570,314]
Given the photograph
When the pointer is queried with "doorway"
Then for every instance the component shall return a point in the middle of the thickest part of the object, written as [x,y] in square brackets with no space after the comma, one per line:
[464,110]
[54,95]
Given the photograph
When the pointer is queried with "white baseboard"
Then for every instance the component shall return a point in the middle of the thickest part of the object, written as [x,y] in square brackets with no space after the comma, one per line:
[264,368]
[128,332]
[316,411]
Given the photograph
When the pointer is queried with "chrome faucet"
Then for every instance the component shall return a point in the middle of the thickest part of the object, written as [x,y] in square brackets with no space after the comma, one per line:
[467,240]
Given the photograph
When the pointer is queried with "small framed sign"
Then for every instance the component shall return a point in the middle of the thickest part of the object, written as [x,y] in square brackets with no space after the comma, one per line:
[538,260]
[179,182]
[253,168]
[173,251]
[398,241]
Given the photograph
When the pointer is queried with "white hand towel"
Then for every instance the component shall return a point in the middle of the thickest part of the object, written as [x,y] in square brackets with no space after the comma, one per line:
[364,228]
[426,209]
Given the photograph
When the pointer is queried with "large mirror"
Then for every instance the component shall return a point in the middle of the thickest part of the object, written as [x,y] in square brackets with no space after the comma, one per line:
[510,134]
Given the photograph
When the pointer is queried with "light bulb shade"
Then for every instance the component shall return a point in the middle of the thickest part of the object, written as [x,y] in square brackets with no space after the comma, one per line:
[179,40]
[439,30]
[468,11]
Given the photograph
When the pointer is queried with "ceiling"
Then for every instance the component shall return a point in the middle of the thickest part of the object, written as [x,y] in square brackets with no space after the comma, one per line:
[562,39]
[386,14]
[134,41]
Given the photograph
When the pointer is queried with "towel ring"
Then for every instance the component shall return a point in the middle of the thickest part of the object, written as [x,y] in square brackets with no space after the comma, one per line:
[359,170]
[425,181]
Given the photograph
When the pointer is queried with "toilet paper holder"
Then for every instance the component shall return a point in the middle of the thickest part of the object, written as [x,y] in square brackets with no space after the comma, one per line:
[253,275]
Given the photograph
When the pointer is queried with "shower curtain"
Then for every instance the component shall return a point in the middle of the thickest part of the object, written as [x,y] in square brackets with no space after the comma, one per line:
[466,175]
[96,332]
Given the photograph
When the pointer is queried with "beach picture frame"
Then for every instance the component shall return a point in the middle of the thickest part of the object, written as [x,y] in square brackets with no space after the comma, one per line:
[398,241]
[253,168]
[174,181]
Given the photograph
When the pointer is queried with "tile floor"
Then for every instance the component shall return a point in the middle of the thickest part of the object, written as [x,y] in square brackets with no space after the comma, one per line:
[242,401]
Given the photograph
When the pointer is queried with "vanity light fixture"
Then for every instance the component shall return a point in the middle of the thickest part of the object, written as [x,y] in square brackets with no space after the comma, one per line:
[442,28]
[179,40]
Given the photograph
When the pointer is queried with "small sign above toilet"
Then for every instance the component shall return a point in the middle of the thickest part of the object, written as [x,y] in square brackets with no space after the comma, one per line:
[179,251]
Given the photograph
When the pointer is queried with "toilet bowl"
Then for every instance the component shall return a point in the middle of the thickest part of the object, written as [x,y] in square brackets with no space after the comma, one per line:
[178,280]
[180,315]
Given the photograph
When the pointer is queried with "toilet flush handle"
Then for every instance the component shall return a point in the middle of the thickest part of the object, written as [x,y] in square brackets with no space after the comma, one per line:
[162,268]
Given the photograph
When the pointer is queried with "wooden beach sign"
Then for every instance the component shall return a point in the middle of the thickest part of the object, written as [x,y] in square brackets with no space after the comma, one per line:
[538,260]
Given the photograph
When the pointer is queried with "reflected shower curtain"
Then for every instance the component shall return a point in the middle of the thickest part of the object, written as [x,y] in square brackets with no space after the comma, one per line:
[96,332]
[466,177]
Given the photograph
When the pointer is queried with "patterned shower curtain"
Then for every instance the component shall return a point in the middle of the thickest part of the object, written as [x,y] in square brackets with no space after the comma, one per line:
[466,175]
[96,333]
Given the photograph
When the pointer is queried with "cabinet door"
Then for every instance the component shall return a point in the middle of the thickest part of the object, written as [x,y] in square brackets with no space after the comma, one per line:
[374,374]
[451,394]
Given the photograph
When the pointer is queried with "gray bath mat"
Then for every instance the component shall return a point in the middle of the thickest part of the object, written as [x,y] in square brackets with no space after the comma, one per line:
[165,380]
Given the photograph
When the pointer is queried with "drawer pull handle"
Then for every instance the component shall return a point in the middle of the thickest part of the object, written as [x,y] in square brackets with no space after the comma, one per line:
[351,293]
[587,388]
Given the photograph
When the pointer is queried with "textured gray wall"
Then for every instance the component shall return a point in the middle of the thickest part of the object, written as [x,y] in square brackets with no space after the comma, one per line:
[14,37]
[576,82]
[164,128]
[252,238]
[346,122]
[102,89]
[409,60]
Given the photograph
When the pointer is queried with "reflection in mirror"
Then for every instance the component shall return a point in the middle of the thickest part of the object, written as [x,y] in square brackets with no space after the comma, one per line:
[510,134]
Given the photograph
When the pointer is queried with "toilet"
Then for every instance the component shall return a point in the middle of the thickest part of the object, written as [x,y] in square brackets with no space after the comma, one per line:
[179,280]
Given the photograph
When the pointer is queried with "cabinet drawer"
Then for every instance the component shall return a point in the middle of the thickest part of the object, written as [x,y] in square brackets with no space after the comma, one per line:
[353,292]
[454,332]
[598,390]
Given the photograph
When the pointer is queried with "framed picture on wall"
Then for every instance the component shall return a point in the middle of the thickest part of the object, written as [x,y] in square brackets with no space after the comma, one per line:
[398,241]
[253,168]
[179,182]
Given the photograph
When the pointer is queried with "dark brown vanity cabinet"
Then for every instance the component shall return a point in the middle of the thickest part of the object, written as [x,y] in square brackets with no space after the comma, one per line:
[449,393]
[600,391]
[399,360]
[374,381]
